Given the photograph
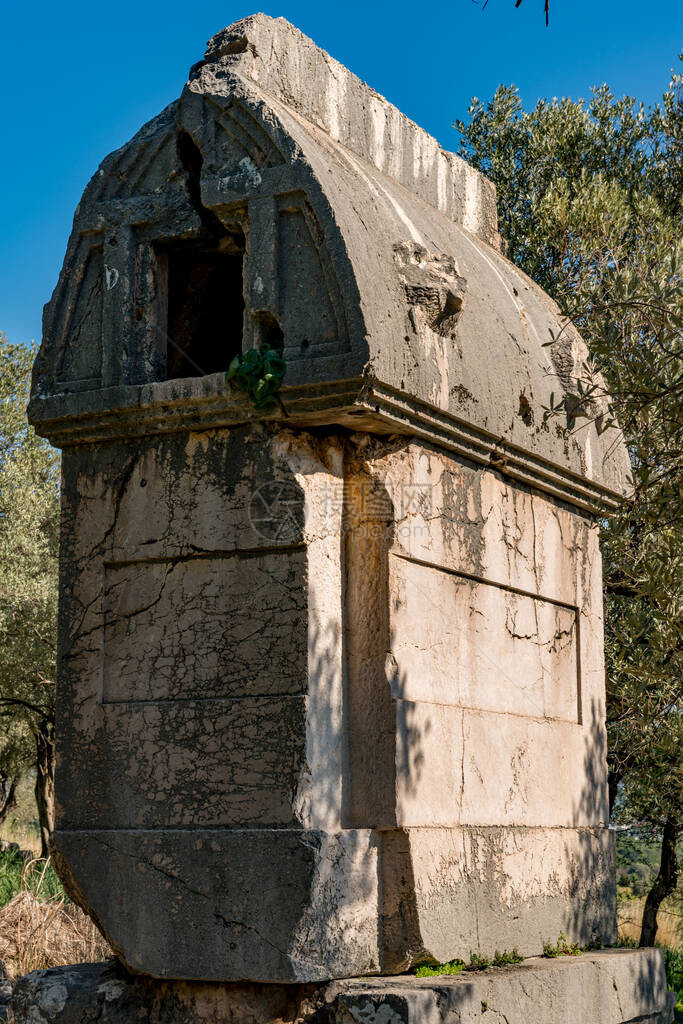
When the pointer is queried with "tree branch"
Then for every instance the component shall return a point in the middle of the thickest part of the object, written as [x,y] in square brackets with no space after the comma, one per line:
[46,713]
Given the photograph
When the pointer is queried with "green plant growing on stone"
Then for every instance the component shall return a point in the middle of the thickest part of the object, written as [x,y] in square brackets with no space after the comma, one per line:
[259,372]
[562,948]
[435,970]
[505,958]
[478,963]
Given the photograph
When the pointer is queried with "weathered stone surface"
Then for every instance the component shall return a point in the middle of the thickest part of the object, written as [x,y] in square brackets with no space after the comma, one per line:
[610,987]
[256,904]
[107,994]
[466,888]
[188,635]
[356,238]
[331,689]
[204,609]
[453,774]
[289,67]
[473,686]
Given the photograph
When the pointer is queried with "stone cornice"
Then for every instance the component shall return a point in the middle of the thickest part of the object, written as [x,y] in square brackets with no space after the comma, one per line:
[208,403]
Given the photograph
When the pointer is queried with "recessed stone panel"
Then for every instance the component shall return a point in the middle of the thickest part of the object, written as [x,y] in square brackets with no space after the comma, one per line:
[473,643]
[182,764]
[204,628]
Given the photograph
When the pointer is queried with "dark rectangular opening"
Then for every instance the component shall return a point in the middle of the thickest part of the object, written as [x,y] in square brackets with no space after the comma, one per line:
[205,307]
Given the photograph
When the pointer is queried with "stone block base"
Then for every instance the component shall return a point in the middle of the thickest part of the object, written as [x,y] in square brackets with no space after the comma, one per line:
[608,987]
[300,906]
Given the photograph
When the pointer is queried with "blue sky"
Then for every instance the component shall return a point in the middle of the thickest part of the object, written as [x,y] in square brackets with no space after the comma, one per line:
[80,78]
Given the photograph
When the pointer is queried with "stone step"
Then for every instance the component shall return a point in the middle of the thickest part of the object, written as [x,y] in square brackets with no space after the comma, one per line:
[615,986]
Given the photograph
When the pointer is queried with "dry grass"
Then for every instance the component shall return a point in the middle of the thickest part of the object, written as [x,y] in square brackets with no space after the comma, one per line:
[630,915]
[36,934]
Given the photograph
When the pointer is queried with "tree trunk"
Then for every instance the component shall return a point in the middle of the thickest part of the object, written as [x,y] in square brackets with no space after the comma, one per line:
[45,782]
[664,884]
[8,798]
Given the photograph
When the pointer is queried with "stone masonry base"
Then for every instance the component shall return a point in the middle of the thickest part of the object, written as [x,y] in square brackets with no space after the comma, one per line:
[607,987]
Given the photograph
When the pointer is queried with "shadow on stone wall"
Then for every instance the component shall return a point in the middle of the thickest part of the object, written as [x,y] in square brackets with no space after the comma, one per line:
[384,735]
[592,913]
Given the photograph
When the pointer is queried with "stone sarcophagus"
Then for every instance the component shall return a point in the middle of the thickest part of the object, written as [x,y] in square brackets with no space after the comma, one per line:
[331,695]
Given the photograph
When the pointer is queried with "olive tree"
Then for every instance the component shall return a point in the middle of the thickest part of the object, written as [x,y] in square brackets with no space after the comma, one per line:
[590,201]
[29,528]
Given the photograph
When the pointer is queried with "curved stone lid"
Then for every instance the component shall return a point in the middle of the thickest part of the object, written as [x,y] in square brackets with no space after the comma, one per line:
[289,67]
[371,250]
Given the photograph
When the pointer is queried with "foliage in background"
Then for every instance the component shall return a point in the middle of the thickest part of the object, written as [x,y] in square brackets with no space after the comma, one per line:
[29,531]
[21,825]
[37,877]
[637,863]
[673,963]
[590,203]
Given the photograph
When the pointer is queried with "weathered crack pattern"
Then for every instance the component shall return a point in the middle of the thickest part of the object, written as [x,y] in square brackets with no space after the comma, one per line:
[206,628]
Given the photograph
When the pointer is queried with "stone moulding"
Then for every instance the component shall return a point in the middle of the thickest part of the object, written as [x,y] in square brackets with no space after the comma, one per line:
[358,403]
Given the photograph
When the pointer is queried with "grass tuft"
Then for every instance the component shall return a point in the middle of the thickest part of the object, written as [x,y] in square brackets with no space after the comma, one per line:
[477,963]
[434,970]
[39,926]
[563,948]
[504,959]
[35,876]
